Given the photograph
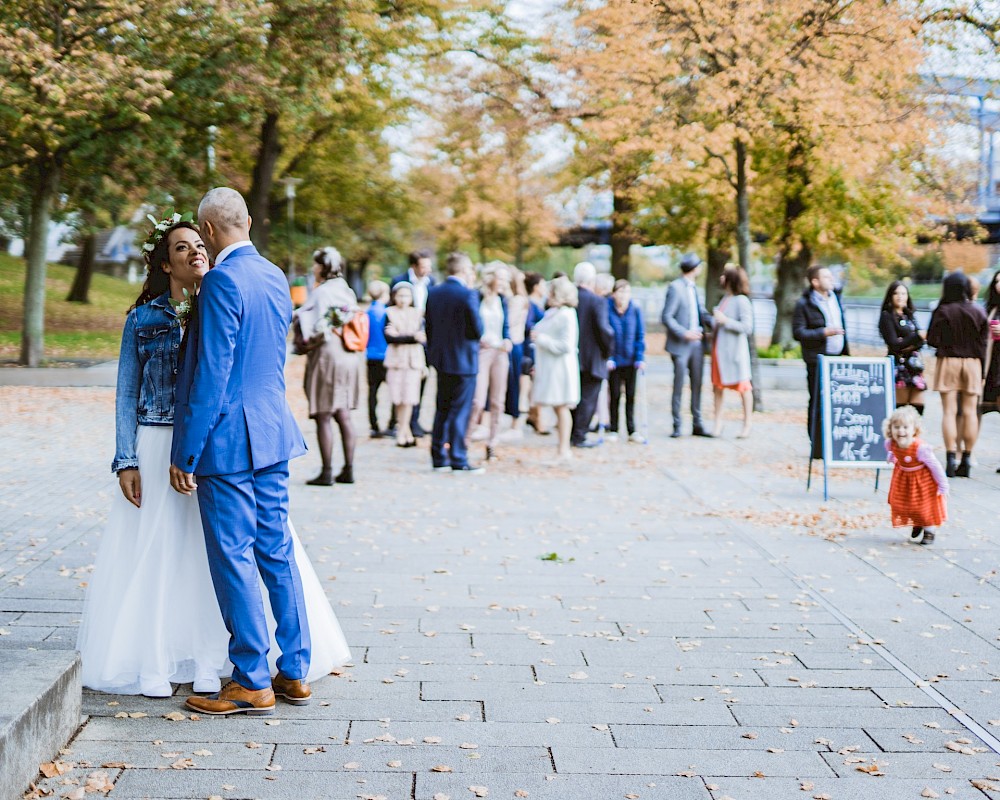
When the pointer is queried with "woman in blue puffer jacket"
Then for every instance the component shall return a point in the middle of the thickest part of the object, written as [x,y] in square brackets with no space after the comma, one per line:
[627,360]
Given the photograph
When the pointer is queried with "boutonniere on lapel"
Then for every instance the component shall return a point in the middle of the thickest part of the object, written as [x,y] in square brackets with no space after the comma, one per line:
[185,308]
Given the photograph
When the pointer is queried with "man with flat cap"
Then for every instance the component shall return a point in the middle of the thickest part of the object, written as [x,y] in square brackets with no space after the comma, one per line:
[687,323]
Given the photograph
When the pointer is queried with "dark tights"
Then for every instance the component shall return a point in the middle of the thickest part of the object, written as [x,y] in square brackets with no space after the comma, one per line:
[324,434]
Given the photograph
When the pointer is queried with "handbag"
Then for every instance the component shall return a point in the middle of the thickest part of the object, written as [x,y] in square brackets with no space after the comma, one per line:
[300,344]
[914,363]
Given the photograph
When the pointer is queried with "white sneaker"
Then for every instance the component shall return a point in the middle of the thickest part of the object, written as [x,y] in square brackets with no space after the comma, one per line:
[637,438]
[611,437]
[480,434]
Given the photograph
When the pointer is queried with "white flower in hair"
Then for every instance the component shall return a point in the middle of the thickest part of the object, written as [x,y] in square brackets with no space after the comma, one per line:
[149,247]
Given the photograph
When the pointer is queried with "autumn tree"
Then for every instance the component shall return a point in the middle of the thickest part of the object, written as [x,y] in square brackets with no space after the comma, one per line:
[78,82]
[819,81]
[486,154]
[318,65]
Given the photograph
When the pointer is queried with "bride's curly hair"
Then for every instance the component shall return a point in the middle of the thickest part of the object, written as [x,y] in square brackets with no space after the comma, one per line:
[157,281]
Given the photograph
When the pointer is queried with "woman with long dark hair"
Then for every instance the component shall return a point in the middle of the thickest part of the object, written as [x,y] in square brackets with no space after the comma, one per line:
[731,348]
[898,326]
[959,331]
[991,384]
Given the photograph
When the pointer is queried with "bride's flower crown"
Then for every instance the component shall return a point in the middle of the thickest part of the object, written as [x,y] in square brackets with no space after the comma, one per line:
[160,229]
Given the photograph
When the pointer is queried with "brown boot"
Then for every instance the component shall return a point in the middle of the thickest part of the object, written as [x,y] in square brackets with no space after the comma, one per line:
[234,699]
[295,692]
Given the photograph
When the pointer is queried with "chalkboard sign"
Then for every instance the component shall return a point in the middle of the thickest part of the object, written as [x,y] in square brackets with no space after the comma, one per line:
[858,395]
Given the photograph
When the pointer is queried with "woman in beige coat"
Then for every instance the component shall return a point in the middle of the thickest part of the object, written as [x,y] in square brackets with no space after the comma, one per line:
[405,363]
[731,350]
[332,372]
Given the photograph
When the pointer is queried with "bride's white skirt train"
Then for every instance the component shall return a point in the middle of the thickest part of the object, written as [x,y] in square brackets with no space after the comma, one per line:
[151,615]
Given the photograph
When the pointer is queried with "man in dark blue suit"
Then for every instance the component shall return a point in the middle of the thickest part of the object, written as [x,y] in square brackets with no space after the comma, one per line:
[596,345]
[454,329]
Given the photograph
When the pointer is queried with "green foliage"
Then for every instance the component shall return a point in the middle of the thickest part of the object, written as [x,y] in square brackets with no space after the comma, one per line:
[92,330]
[779,352]
[927,266]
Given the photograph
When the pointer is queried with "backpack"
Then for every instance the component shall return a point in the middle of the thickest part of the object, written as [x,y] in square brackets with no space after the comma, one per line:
[355,333]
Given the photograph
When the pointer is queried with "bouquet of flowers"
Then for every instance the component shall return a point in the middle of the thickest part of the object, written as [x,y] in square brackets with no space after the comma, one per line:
[338,316]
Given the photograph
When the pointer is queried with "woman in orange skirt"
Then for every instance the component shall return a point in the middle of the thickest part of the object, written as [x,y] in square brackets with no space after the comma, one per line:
[919,485]
[731,349]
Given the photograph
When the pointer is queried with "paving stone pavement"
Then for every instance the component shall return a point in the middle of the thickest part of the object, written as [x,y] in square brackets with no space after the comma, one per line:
[709,630]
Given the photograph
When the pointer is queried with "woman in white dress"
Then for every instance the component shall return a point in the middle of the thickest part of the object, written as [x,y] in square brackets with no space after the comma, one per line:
[556,337]
[151,617]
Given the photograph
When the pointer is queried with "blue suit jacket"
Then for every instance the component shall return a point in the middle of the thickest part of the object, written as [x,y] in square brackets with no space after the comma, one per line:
[231,413]
[453,327]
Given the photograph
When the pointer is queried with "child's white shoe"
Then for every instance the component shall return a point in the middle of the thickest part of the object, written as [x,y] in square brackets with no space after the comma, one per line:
[917,535]
[928,537]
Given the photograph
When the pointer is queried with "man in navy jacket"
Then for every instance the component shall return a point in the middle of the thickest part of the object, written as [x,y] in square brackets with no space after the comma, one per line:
[454,329]
[596,344]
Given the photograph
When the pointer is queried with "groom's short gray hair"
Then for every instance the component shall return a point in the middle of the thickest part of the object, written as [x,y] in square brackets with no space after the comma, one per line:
[224,207]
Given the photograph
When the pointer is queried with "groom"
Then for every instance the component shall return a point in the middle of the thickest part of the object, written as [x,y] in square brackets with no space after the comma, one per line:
[234,431]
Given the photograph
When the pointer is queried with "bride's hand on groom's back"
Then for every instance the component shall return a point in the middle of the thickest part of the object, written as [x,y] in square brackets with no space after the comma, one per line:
[131,485]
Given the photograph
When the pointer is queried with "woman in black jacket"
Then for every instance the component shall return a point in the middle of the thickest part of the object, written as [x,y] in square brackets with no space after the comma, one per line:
[991,386]
[959,332]
[898,326]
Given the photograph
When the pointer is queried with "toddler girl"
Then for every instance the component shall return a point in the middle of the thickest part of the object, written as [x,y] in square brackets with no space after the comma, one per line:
[919,485]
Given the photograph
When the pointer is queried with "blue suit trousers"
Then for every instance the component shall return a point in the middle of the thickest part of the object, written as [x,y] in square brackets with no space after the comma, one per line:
[245,516]
[451,420]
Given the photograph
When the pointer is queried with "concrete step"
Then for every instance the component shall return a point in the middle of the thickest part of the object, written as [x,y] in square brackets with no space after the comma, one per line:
[39,711]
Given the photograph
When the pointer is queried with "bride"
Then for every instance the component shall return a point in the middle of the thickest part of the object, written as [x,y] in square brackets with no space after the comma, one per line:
[151,617]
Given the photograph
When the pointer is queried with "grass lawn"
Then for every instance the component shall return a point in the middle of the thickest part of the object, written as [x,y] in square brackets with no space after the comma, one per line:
[72,330]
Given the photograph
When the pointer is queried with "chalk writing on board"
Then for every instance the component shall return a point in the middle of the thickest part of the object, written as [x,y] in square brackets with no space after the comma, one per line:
[857,404]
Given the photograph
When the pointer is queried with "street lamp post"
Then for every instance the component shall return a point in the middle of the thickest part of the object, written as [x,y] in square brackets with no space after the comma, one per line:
[290,184]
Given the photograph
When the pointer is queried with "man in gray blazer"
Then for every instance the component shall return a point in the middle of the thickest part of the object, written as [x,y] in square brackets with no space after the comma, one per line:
[686,321]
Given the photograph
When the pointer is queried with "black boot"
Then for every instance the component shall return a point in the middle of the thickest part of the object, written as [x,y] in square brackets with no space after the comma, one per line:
[964,468]
[325,478]
[346,474]
[950,465]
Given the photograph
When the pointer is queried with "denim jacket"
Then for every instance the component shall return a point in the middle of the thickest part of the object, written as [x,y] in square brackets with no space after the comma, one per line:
[147,372]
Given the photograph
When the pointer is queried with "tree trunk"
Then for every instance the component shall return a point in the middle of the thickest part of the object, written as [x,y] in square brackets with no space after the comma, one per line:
[794,255]
[263,180]
[45,175]
[742,207]
[743,248]
[621,236]
[355,275]
[80,290]
[718,252]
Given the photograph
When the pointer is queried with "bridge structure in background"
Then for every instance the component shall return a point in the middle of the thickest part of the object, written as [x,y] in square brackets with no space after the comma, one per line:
[986,120]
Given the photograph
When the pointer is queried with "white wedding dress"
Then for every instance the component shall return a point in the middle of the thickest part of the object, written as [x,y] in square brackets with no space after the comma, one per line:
[151,617]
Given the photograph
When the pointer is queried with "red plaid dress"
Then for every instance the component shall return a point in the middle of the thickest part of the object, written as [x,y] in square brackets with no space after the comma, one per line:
[913,493]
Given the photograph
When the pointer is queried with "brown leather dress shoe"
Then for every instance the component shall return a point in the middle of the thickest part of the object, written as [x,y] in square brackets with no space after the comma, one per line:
[234,699]
[295,692]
